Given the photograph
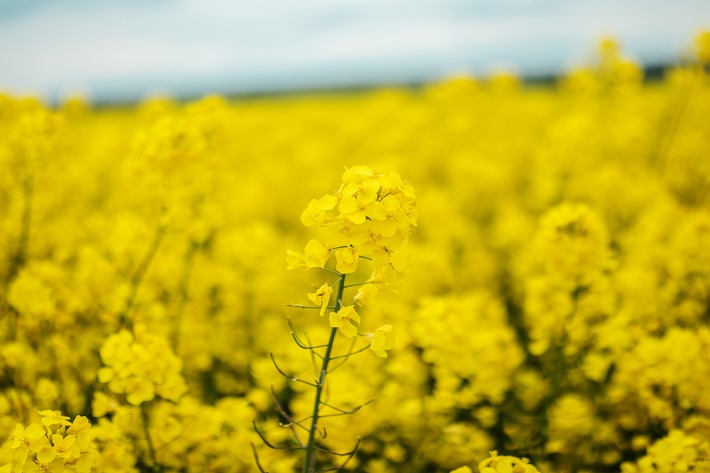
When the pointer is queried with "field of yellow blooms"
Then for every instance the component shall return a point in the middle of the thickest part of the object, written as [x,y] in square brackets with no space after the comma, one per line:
[482,275]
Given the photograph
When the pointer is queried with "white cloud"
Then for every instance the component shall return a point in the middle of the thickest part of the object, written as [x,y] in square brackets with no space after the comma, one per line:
[164,42]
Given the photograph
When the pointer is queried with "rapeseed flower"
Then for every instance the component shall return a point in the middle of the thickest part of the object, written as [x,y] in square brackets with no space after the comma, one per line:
[345,320]
[321,297]
[381,340]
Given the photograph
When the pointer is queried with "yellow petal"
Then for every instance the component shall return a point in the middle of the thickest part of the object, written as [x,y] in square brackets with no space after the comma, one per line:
[334,319]
[348,330]
[327,202]
[46,455]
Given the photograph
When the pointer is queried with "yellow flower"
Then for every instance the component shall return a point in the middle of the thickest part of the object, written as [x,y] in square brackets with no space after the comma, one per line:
[141,370]
[388,216]
[346,259]
[32,438]
[54,466]
[80,424]
[506,464]
[63,445]
[343,320]
[316,254]
[381,340]
[139,390]
[321,297]
[353,209]
[357,174]
[50,418]
[295,260]
[348,233]
[317,212]
[172,388]
[46,455]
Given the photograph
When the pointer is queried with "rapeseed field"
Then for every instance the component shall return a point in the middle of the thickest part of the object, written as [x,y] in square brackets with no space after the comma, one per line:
[471,274]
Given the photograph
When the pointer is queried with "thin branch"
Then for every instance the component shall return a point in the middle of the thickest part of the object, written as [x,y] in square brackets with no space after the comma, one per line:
[302,420]
[301,306]
[299,423]
[313,356]
[347,460]
[358,284]
[298,340]
[345,359]
[122,274]
[332,271]
[338,414]
[167,444]
[344,454]
[256,458]
[151,446]
[348,411]
[351,353]
[291,424]
[289,377]
[269,444]
[306,347]
[98,305]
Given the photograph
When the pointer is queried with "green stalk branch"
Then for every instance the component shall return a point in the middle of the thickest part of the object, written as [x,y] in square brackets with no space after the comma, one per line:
[157,467]
[309,462]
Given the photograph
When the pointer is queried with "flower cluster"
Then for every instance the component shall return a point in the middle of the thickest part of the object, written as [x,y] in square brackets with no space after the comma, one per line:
[566,284]
[663,379]
[501,464]
[53,445]
[678,451]
[141,369]
[371,216]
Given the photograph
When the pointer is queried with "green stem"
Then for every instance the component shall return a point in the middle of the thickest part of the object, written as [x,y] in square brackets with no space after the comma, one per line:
[151,448]
[310,462]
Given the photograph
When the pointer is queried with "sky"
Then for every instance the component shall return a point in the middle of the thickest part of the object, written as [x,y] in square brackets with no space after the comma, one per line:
[110,50]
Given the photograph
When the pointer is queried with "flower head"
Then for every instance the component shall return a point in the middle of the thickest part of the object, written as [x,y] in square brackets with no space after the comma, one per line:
[381,340]
[370,211]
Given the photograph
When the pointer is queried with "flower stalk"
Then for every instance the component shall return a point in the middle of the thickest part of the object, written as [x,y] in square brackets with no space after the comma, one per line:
[309,462]
[370,217]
